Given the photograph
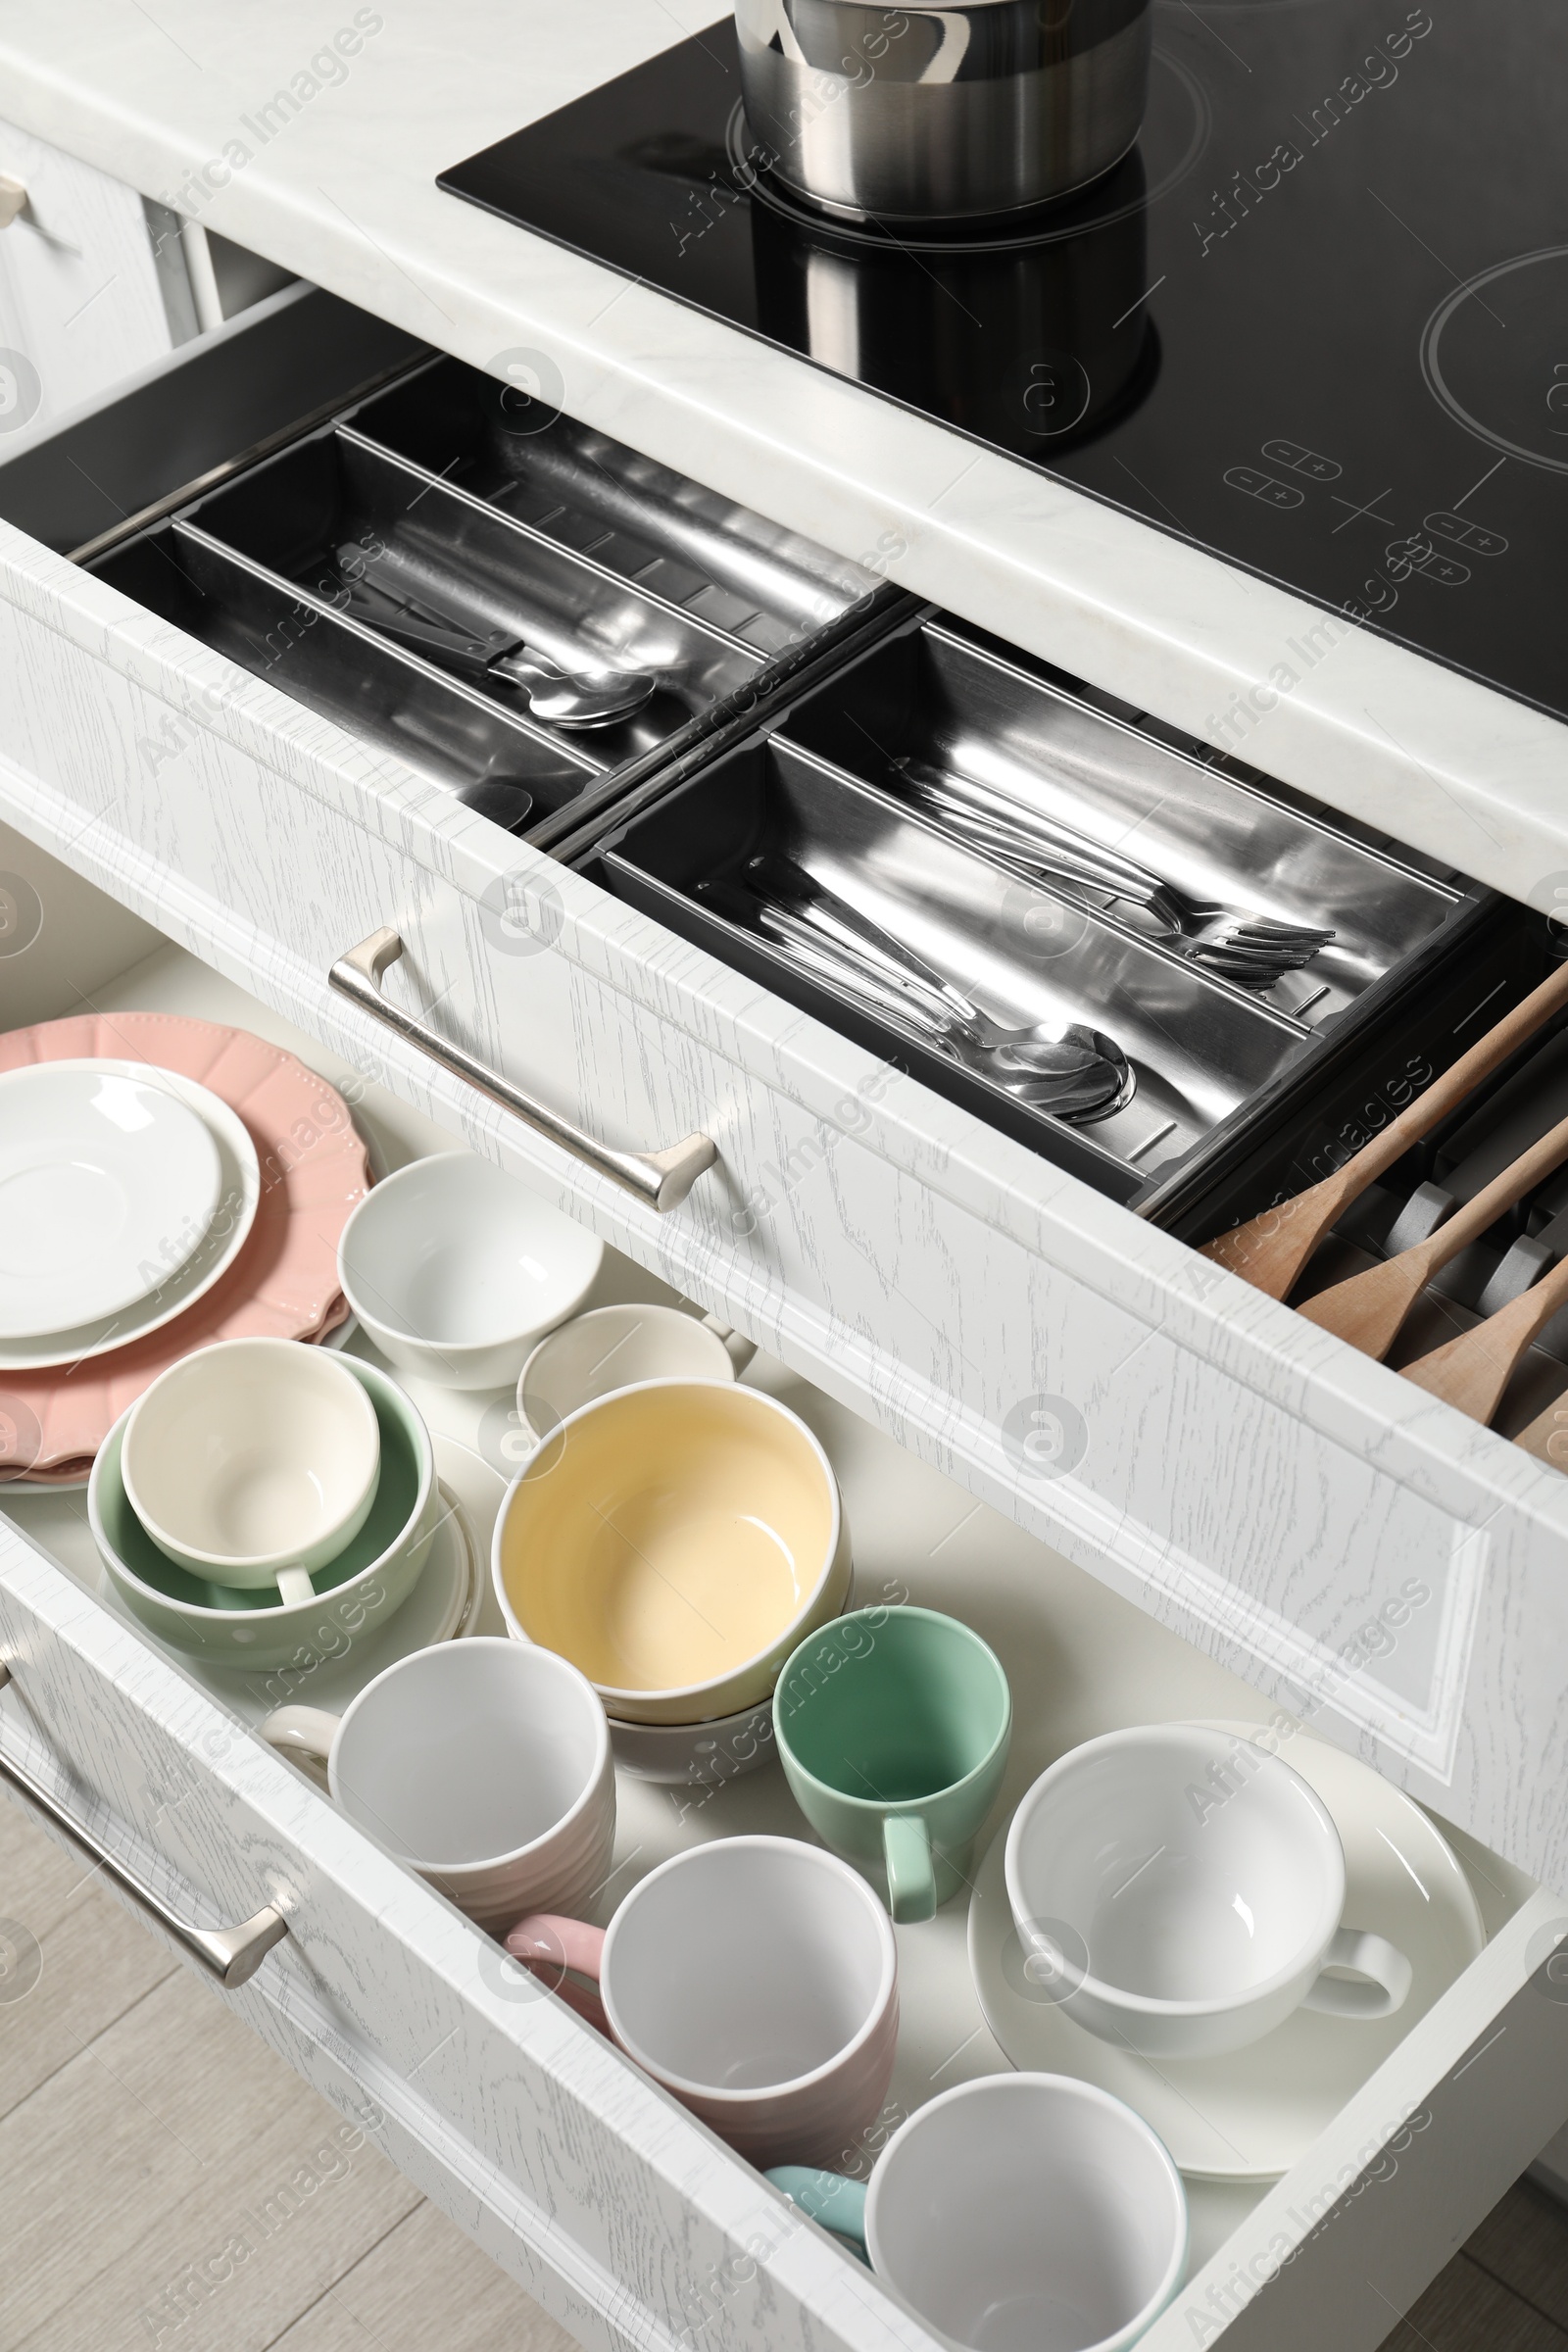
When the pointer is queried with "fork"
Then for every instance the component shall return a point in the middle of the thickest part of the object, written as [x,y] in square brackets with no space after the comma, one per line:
[1251,948]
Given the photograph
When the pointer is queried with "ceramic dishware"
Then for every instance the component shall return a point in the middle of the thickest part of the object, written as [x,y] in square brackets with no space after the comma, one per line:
[107,1184]
[892,1727]
[281,1283]
[1181,1902]
[456,1270]
[257,1631]
[757,1978]
[614,1347]
[1248,2114]
[1019,2213]
[484,1765]
[674,1541]
[696,1756]
[253,1462]
[186,1257]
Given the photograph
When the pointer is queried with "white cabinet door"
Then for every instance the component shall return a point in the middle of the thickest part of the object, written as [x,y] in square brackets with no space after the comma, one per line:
[81,303]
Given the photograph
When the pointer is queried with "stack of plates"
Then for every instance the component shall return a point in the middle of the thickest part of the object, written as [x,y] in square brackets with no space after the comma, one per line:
[163,1183]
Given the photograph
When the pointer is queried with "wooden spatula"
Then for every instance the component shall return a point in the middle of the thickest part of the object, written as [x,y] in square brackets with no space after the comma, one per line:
[1472,1370]
[1369,1309]
[1270,1250]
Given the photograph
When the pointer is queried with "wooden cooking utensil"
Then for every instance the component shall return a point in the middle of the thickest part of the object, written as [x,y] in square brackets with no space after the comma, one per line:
[1369,1309]
[1472,1370]
[1270,1250]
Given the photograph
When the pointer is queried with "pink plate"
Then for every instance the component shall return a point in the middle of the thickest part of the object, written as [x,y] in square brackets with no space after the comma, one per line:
[282,1284]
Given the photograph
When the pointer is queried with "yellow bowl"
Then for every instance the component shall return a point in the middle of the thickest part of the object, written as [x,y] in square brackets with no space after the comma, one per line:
[674,1541]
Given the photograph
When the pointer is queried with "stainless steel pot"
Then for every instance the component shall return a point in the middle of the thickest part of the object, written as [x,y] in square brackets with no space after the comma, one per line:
[942,112]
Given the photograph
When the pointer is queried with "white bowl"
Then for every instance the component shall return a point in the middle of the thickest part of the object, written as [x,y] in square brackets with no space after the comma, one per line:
[456,1270]
[696,1756]
[251,1456]
[619,1347]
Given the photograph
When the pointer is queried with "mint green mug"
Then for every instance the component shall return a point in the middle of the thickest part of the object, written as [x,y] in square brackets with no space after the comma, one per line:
[892,1727]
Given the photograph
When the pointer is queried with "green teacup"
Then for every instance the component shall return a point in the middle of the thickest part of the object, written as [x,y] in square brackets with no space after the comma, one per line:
[892,1726]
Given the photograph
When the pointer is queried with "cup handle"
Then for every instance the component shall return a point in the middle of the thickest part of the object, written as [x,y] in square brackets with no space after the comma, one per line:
[912,1881]
[550,1944]
[301,1731]
[741,1351]
[294,1583]
[1385,1972]
[826,2197]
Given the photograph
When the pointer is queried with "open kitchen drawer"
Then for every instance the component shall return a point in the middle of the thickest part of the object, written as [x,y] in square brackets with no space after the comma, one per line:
[627,2217]
[1251,1482]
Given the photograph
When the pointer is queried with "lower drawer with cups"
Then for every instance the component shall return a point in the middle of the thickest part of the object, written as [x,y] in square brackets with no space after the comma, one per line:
[1327,2165]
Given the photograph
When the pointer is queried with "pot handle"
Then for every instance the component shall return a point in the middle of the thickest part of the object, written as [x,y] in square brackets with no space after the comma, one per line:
[740,1348]
[550,1944]
[1382,1967]
[301,1731]
[837,2203]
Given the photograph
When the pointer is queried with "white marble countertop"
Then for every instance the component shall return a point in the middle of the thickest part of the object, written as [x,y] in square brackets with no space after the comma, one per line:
[342,189]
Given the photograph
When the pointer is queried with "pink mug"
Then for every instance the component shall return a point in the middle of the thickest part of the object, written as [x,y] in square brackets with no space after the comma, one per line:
[756,1979]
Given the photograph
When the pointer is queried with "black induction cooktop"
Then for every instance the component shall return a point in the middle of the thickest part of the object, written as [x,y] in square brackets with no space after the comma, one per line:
[1316,321]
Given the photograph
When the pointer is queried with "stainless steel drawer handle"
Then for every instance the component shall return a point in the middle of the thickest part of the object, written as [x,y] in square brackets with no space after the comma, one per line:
[230,1954]
[662,1179]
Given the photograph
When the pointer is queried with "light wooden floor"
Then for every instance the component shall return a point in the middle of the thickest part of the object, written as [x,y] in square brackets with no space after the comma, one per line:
[167,2184]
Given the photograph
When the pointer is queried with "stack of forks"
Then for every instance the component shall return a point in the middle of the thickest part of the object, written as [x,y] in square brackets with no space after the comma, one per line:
[1251,951]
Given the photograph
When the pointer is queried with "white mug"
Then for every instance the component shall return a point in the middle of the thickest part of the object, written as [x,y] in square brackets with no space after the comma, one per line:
[614,1347]
[757,1978]
[1017,2209]
[483,1765]
[1179,1891]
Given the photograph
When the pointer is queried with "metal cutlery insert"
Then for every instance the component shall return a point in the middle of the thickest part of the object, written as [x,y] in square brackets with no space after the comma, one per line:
[527,613]
[783,842]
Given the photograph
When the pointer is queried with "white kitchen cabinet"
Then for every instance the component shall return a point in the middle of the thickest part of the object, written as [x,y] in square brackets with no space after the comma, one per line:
[1253,1486]
[593,2189]
[1249,1480]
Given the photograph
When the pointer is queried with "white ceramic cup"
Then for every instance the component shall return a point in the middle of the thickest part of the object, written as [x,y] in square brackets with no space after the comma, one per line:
[456,1270]
[757,1978]
[614,1347]
[1028,2213]
[253,1461]
[1180,1893]
[483,1765]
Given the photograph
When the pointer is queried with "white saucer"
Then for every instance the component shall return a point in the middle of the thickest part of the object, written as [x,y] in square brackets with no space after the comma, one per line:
[1248,2116]
[108,1182]
[443,1606]
[192,1269]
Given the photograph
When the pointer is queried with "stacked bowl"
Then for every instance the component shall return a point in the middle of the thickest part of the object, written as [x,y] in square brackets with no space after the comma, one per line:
[264,1503]
[675,1541]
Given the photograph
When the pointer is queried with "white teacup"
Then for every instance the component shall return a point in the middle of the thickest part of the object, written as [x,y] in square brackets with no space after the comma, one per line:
[614,1347]
[483,1765]
[1179,1891]
[1019,2213]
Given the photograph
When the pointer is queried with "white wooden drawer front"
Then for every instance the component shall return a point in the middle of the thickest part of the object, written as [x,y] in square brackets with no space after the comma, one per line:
[1249,1480]
[623,2214]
